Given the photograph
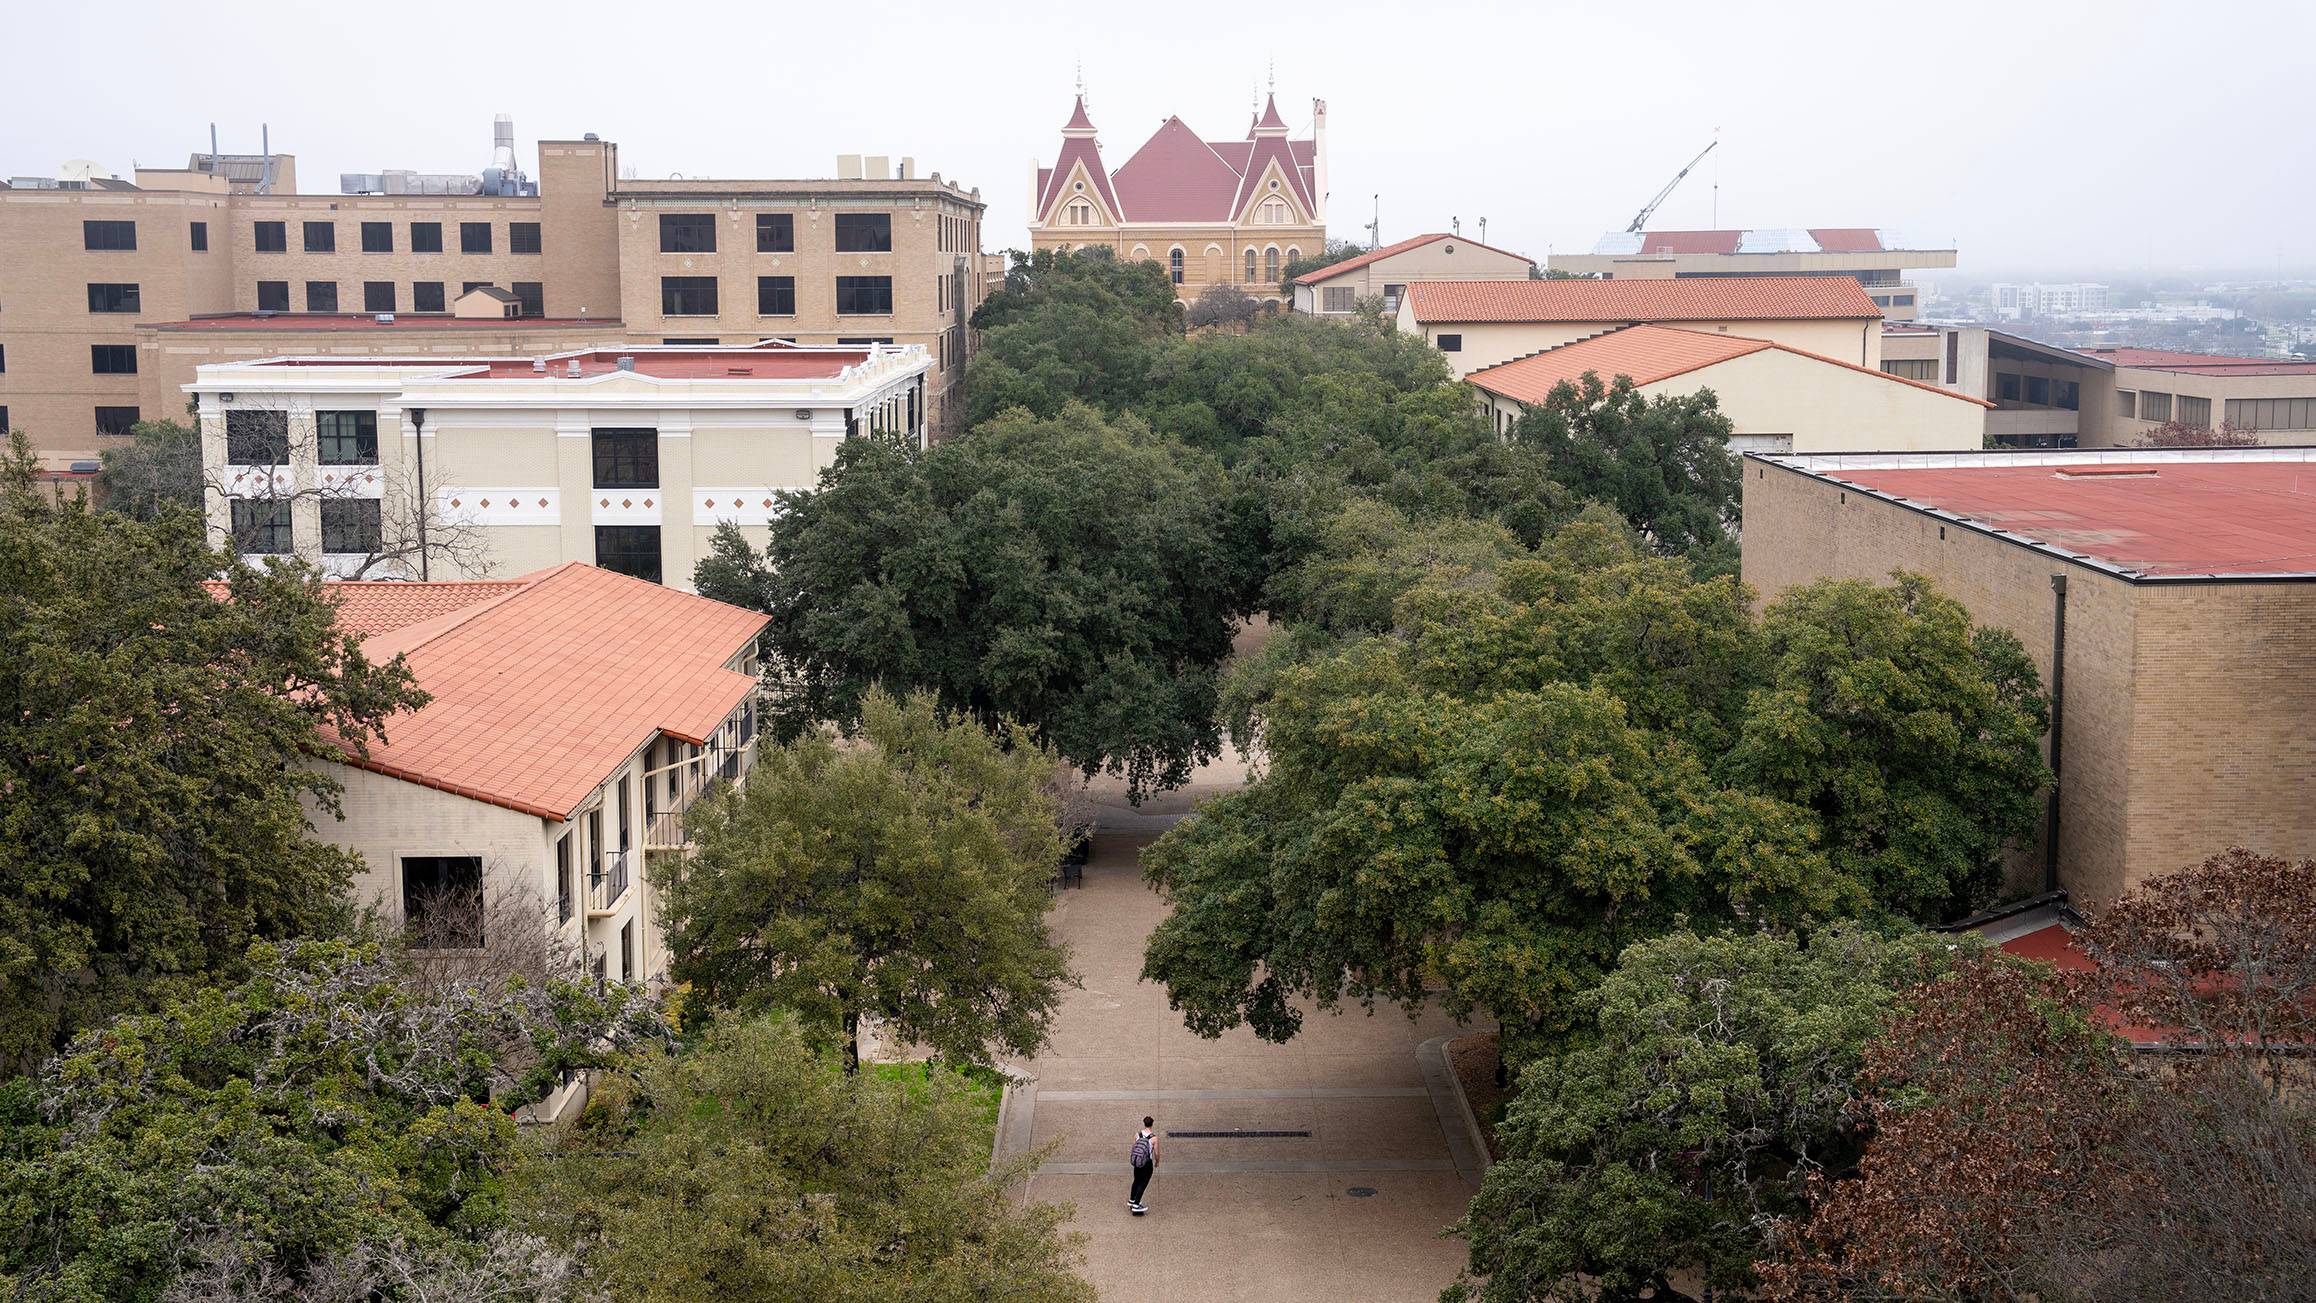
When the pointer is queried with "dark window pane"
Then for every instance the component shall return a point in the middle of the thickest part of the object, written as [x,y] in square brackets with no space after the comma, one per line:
[256,438]
[377,296]
[532,295]
[115,420]
[200,237]
[261,526]
[273,296]
[864,232]
[627,459]
[522,237]
[474,237]
[426,237]
[321,296]
[776,296]
[864,296]
[351,526]
[442,901]
[273,237]
[775,233]
[321,237]
[108,235]
[112,359]
[469,287]
[426,296]
[377,237]
[629,550]
[687,296]
[113,298]
[341,438]
[687,233]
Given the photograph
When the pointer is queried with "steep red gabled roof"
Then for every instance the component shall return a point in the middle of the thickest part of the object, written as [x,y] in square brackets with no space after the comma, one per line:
[1077,149]
[1078,119]
[1733,298]
[1270,117]
[1267,151]
[1176,177]
[1334,269]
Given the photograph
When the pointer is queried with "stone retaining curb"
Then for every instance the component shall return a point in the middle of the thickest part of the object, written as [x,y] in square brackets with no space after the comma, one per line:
[1456,1120]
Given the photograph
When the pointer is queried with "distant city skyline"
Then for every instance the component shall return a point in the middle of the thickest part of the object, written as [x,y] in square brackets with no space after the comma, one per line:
[2038,156]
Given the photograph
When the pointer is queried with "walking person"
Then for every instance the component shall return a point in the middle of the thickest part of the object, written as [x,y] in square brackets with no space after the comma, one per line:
[1143,1158]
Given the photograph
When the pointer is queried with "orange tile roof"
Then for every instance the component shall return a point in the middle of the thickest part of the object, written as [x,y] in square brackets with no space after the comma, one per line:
[368,608]
[1334,269]
[541,690]
[1648,354]
[1719,298]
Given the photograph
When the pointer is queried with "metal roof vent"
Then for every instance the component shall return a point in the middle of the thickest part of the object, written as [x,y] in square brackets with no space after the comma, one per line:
[385,318]
[538,366]
[574,371]
[626,363]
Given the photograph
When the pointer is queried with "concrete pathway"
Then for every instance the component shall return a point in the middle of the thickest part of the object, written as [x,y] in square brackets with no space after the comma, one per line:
[1352,1211]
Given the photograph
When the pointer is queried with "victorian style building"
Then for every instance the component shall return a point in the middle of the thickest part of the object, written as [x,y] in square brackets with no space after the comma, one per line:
[1232,212]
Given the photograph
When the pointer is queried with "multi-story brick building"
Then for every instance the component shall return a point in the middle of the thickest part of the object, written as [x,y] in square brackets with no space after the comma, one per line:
[1215,212]
[2168,598]
[96,272]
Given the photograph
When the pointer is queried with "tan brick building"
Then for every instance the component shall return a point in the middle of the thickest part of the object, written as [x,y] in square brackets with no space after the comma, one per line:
[1214,212]
[2189,616]
[94,271]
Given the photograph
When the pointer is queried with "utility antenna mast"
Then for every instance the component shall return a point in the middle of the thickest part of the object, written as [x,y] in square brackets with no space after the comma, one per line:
[1640,219]
[1375,227]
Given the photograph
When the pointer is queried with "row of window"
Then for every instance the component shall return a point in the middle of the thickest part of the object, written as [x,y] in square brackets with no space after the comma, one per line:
[380,296]
[350,526]
[261,438]
[696,296]
[2038,391]
[775,233]
[119,235]
[378,237]
[109,420]
[2272,413]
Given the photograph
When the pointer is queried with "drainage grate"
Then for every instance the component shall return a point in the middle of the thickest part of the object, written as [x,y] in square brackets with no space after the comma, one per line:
[1238,1135]
[1361,1192]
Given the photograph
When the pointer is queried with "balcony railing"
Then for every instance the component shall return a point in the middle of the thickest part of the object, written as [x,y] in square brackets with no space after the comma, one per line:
[672,790]
[607,884]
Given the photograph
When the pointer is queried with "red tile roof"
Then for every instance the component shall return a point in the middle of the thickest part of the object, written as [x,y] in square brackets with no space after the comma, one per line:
[2222,516]
[1847,239]
[1732,298]
[369,608]
[1332,270]
[317,321]
[1648,354]
[735,364]
[541,690]
[2209,364]
[1176,177]
[1078,149]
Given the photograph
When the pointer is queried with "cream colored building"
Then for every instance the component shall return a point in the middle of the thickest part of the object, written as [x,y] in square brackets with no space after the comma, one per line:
[99,270]
[2044,396]
[1478,324]
[1229,212]
[1384,274]
[538,783]
[626,458]
[1875,259]
[1780,399]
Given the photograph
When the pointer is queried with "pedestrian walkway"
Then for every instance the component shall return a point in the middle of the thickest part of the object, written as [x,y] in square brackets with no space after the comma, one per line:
[1352,1210]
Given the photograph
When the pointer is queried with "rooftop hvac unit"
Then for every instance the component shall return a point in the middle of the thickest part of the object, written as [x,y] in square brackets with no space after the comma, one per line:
[385,318]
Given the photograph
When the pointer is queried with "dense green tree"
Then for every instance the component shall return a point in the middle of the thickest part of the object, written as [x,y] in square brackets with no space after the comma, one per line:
[904,878]
[1219,391]
[1221,305]
[1073,574]
[1079,326]
[1664,462]
[159,467]
[1915,736]
[1466,809]
[331,1118]
[751,1169]
[1709,1086]
[156,746]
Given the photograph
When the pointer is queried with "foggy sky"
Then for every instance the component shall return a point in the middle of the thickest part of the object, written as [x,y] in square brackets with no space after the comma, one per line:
[2040,139]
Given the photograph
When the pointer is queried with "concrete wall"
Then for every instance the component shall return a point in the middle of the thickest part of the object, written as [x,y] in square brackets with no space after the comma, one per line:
[2185,703]
[1440,260]
[2122,431]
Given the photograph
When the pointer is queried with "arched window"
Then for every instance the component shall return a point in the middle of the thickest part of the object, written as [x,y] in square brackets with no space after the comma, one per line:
[1250,266]
[1174,264]
[1293,253]
[1273,213]
[1271,263]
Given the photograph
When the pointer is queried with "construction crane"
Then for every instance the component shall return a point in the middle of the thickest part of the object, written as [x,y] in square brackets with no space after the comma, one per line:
[1640,219]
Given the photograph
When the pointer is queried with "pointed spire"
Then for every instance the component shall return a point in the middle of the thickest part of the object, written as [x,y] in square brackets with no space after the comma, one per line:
[1078,119]
[1270,120]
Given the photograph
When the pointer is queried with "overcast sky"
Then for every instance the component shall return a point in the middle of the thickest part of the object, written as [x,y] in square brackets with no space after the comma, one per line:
[2041,139]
